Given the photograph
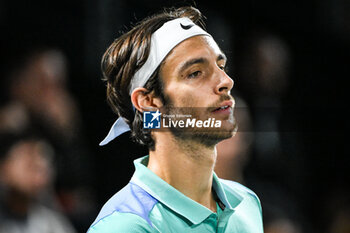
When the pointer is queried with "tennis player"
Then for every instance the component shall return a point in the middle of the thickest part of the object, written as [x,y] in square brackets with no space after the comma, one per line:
[168,64]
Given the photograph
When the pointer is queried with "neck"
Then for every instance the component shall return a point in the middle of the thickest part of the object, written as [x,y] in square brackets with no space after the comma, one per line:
[17,203]
[185,165]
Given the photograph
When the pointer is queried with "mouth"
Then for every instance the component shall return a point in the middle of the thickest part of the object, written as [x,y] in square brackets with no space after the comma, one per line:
[225,107]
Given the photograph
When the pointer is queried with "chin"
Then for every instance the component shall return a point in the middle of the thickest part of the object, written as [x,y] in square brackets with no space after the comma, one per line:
[229,127]
[225,134]
[213,137]
[207,136]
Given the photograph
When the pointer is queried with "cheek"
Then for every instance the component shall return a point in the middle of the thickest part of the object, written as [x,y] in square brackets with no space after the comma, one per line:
[186,99]
[183,96]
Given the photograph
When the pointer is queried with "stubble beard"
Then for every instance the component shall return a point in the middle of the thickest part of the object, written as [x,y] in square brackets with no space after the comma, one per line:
[207,137]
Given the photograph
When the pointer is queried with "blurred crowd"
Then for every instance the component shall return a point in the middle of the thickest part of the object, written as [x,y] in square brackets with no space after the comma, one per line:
[51,181]
[46,169]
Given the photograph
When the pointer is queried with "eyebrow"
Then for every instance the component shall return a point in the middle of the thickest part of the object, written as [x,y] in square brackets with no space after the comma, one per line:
[200,60]
[191,62]
[221,56]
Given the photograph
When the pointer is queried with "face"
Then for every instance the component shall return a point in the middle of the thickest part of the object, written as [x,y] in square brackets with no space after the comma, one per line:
[195,83]
[26,169]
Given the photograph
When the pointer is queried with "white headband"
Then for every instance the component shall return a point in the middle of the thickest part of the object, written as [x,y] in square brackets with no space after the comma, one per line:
[162,42]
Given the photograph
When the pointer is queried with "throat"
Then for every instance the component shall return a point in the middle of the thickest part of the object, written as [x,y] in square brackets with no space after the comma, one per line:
[187,168]
[199,153]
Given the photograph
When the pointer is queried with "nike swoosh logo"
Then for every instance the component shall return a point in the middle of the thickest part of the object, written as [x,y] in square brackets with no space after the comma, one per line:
[186,27]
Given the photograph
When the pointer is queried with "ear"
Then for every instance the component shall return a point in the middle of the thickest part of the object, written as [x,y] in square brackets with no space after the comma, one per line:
[145,102]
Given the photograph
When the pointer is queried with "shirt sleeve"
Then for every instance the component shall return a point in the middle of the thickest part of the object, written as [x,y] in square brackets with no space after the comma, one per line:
[121,223]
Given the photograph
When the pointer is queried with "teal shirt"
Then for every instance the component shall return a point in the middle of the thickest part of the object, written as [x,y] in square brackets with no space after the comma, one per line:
[149,204]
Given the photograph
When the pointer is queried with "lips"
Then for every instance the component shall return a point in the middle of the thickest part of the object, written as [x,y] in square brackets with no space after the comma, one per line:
[224,106]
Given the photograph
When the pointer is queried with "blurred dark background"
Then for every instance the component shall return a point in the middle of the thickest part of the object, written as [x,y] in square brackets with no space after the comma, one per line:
[290,63]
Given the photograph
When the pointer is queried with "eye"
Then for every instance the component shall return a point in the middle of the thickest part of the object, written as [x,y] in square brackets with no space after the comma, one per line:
[222,67]
[194,74]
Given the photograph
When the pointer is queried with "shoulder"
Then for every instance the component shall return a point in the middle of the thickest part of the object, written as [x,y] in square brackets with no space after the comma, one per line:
[128,209]
[118,222]
[233,187]
[51,218]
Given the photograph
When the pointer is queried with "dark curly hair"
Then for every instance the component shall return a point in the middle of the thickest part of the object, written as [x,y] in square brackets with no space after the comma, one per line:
[125,56]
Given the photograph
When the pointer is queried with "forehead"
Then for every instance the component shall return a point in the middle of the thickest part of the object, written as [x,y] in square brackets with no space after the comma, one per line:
[197,46]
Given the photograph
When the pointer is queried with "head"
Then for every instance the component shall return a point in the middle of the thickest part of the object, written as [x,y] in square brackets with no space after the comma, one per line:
[25,164]
[42,74]
[175,83]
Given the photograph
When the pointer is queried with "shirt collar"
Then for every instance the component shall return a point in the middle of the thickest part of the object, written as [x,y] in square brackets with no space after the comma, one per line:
[220,192]
[174,199]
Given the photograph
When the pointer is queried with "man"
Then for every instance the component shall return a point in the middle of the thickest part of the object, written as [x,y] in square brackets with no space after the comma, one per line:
[169,65]
[25,180]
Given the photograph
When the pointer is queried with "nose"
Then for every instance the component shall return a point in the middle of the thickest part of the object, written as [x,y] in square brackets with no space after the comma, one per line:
[225,84]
